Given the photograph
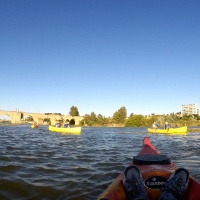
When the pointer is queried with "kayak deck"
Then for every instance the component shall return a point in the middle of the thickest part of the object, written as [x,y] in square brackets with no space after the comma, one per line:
[155,169]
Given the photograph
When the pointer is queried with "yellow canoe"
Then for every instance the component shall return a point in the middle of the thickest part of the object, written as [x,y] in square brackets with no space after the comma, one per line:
[180,130]
[34,126]
[70,130]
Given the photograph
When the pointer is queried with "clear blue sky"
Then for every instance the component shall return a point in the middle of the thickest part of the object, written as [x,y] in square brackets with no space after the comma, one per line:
[99,55]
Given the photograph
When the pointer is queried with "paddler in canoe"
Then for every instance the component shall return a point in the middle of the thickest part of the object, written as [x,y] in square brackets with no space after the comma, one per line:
[34,125]
[174,189]
[166,126]
[154,125]
[58,125]
[66,124]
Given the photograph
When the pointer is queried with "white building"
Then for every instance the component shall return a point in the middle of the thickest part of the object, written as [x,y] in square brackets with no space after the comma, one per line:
[190,109]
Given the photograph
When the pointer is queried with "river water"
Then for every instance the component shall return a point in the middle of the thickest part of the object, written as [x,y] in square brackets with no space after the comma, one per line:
[42,165]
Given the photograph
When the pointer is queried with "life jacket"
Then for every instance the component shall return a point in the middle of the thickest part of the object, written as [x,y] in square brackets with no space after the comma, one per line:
[66,125]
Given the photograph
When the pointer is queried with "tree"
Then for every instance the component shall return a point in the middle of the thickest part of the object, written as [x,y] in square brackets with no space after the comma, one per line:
[120,116]
[100,120]
[90,119]
[93,117]
[136,121]
[74,111]
[81,123]
[87,119]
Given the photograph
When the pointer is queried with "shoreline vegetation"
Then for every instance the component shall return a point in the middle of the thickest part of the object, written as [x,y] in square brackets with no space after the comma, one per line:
[120,119]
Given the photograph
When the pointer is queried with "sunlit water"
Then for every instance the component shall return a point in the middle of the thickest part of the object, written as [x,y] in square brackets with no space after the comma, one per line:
[38,164]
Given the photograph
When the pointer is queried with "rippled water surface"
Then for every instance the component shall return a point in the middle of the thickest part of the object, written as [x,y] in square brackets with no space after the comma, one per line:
[38,164]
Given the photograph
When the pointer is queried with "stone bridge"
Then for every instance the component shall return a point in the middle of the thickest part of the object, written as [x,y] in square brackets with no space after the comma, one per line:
[17,117]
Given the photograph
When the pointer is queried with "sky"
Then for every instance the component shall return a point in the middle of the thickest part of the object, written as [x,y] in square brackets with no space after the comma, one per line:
[99,55]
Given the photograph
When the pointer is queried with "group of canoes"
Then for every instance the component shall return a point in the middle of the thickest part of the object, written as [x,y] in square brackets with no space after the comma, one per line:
[154,167]
[65,128]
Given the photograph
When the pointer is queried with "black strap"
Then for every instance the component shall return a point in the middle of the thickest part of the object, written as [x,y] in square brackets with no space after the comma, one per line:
[152,159]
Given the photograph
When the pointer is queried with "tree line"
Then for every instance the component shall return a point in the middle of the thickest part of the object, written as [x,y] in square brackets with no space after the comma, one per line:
[120,119]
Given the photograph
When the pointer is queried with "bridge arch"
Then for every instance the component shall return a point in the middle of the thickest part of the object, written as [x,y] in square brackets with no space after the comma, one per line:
[5,117]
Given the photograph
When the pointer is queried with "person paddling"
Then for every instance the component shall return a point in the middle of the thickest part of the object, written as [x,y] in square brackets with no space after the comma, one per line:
[58,124]
[35,124]
[66,124]
[155,125]
[167,126]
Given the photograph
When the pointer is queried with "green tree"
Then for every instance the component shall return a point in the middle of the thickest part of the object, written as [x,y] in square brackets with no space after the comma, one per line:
[153,118]
[100,120]
[74,111]
[87,120]
[119,116]
[136,121]
[90,119]
[131,114]
[82,123]
[93,117]
[187,117]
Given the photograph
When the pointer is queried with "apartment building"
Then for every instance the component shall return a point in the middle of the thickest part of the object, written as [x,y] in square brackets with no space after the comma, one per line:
[189,109]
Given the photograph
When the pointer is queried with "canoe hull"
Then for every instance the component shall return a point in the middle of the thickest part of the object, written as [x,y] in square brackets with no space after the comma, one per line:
[34,126]
[73,130]
[180,130]
[150,172]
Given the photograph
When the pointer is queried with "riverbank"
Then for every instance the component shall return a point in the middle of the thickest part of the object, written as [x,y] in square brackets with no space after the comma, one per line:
[5,123]
[193,129]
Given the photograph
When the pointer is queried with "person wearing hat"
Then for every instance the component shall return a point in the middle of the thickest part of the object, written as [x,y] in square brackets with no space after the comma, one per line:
[167,125]
[155,125]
